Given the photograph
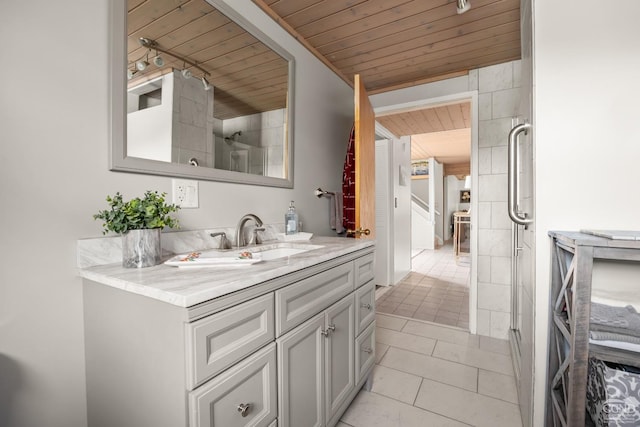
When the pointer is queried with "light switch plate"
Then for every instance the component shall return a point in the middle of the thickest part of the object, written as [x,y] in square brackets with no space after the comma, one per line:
[185,193]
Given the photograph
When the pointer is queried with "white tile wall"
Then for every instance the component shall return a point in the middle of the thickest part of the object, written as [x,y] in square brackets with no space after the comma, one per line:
[499,100]
[496,77]
[501,270]
[494,242]
[484,322]
[484,160]
[493,132]
[484,268]
[505,103]
[494,297]
[499,216]
[499,160]
[493,188]
[484,214]
[484,106]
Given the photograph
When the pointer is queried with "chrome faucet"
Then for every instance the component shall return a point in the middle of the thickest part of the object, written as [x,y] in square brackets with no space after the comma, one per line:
[240,240]
[224,241]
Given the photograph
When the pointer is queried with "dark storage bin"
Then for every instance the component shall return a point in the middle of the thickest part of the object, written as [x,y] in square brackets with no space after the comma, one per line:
[613,394]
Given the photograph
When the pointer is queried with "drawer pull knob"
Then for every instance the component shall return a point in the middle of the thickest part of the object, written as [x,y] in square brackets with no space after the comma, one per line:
[330,329]
[368,350]
[243,408]
[367,306]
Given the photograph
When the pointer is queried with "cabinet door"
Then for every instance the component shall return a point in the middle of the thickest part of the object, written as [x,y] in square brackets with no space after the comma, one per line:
[365,306]
[301,375]
[339,357]
[244,395]
[365,351]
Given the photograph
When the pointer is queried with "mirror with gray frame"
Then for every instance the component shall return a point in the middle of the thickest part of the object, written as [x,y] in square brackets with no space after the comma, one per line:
[198,92]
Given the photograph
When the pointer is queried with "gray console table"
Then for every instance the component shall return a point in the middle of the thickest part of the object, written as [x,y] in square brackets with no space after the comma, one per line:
[573,254]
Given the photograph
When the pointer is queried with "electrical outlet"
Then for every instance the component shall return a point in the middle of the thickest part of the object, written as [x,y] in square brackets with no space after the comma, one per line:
[185,193]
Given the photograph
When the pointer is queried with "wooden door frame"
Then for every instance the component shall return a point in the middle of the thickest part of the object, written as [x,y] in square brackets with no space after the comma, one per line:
[471,96]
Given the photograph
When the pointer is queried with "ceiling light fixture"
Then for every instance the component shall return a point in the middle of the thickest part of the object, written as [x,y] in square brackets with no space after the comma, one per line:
[463,6]
[206,84]
[158,61]
[153,45]
[141,64]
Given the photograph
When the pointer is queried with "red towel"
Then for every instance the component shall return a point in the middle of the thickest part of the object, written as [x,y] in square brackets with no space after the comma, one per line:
[349,184]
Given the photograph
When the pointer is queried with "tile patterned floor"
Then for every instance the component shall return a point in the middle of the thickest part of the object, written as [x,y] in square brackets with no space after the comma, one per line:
[433,375]
[436,290]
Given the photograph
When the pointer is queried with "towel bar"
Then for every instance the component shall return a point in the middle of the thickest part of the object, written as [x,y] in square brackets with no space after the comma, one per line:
[320,192]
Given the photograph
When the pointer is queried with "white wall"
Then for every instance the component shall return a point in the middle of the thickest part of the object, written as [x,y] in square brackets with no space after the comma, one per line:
[586,92]
[150,130]
[53,177]
[421,228]
[401,152]
[452,187]
[436,198]
[420,187]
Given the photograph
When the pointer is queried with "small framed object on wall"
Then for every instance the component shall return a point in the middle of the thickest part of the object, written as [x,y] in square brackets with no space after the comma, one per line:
[465,196]
[420,167]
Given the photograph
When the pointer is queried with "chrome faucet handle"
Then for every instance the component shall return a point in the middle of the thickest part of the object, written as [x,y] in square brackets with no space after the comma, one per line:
[255,239]
[224,242]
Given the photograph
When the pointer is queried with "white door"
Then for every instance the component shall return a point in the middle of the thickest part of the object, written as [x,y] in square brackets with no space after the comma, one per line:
[384,211]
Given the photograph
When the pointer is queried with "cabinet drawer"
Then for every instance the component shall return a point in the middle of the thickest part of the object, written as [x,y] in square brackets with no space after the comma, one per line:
[250,384]
[220,340]
[365,306]
[301,301]
[365,269]
[365,351]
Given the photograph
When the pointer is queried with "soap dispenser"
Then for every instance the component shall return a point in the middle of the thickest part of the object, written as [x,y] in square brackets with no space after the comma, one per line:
[291,220]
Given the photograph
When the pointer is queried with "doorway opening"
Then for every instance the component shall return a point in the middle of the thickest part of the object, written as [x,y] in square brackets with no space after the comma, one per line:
[442,284]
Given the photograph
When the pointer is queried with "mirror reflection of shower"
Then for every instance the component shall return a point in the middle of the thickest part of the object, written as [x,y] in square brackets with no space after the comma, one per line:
[254,144]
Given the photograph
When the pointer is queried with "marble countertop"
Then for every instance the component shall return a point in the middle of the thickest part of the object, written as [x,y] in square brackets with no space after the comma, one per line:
[185,287]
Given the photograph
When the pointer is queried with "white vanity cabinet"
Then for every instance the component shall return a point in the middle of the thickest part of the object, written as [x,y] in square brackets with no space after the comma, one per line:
[316,367]
[285,352]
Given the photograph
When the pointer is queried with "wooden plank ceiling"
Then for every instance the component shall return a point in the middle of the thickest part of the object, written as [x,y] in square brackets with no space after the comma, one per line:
[442,132]
[247,76]
[396,44]
[401,43]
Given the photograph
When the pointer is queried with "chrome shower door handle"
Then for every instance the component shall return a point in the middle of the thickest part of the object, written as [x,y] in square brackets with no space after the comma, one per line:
[517,217]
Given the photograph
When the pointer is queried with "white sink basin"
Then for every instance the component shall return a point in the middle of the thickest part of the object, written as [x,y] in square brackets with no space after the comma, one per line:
[236,257]
[281,250]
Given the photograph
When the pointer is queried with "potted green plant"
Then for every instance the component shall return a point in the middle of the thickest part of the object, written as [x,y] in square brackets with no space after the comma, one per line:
[140,222]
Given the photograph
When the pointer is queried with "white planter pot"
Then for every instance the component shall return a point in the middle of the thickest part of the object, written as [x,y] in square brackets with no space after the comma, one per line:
[141,248]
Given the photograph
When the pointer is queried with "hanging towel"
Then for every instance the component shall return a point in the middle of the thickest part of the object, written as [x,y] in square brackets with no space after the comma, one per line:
[349,184]
[335,206]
